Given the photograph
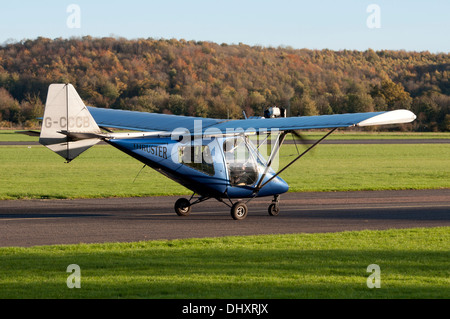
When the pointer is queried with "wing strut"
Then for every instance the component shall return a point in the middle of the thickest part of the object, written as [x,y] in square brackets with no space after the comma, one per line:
[259,186]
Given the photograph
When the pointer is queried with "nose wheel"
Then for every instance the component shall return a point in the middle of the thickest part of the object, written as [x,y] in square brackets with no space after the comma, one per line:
[274,208]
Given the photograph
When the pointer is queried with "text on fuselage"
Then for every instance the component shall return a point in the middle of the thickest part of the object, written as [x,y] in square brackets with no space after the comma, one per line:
[156,150]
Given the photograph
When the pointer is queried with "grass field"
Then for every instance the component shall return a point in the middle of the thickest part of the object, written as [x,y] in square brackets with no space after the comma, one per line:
[102,171]
[414,263]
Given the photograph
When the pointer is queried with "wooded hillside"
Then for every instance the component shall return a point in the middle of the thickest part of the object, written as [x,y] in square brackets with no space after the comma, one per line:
[212,80]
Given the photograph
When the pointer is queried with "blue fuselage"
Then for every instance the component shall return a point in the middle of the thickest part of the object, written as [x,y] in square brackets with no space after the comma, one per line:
[206,166]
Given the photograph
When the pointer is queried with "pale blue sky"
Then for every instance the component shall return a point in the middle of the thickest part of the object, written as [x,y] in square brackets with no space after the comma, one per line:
[411,25]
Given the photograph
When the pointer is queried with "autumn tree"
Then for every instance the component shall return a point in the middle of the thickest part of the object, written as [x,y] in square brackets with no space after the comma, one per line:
[206,79]
[393,95]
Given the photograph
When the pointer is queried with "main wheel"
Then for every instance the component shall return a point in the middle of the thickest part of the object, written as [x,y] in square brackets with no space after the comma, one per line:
[274,209]
[182,207]
[239,211]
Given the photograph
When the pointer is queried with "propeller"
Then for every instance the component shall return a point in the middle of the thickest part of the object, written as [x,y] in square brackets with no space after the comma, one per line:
[297,136]
[302,138]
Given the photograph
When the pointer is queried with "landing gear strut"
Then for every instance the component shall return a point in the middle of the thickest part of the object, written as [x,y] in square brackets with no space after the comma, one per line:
[183,205]
[238,211]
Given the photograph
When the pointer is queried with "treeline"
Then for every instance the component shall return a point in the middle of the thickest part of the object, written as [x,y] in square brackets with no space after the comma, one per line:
[212,80]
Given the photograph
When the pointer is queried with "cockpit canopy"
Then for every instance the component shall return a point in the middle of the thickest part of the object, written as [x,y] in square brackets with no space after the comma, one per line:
[240,162]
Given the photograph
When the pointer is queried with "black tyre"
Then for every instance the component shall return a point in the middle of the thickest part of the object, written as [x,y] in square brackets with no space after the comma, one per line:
[182,207]
[274,209]
[239,211]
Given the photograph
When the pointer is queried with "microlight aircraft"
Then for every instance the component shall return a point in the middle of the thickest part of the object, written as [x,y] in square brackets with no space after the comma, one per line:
[214,158]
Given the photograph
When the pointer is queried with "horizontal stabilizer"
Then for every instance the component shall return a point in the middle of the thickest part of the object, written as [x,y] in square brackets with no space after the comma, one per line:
[78,136]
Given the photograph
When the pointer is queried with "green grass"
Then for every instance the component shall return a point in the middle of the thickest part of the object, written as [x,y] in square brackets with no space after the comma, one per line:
[370,167]
[12,136]
[414,263]
[102,171]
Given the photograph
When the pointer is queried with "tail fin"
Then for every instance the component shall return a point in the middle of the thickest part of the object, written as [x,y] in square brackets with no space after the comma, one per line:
[65,113]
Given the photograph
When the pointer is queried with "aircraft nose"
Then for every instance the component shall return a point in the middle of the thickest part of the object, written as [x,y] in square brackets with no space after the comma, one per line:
[275,187]
[280,185]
